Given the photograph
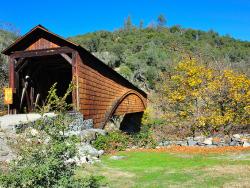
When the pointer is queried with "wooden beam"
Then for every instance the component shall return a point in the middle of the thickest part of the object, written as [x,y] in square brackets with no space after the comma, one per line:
[12,72]
[41,52]
[21,66]
[67,58]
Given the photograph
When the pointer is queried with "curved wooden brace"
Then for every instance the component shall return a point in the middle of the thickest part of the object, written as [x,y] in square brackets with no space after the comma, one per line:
[119,101]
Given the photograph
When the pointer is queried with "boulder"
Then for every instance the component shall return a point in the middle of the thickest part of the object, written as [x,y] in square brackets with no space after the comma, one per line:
[233,143]
[199,138]
[208,141]
[87,135]
[79,124]
[227,140]
[87,149]
[179,143]
[246,144]
[237,136]
[117,157]
[191,142]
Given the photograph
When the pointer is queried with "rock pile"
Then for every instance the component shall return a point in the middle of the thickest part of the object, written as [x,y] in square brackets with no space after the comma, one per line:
[234,140]
[79,127]
[6,153]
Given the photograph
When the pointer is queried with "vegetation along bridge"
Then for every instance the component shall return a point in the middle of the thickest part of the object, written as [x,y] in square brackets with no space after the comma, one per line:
[40,58]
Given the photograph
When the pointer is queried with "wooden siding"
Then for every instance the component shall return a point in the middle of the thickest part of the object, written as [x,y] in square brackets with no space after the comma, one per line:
[99,95]
[41,43]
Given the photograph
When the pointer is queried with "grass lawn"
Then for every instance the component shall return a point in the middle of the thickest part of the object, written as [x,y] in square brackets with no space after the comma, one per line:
[164,169]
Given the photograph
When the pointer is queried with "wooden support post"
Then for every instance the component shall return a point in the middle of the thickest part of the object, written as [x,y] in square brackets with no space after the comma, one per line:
[12,73]
[12,82]
[75,93]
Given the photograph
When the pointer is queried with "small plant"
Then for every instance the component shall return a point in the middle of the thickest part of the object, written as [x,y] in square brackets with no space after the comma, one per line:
[114,141]
[56,103]
[119,141]
[144,139]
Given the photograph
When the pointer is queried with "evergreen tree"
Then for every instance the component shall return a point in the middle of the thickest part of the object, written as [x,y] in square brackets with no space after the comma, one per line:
[128,24]
[161,20]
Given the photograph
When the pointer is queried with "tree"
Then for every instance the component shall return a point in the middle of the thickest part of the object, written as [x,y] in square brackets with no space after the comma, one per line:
[141,24]
[161,20]
[128,24]
[206,99]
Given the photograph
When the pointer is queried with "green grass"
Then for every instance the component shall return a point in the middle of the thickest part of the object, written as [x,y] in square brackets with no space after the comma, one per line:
[145,169]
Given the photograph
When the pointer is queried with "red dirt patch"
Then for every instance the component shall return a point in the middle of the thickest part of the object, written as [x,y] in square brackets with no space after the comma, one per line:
[195,150]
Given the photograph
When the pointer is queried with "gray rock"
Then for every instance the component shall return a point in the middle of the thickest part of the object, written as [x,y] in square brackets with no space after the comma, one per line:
[179,143]
[117,157]
[101,152]
[164,143]
[208,141]
[199,138]
[227,140]
[79,123]
[237,136]
[4,153]
[191,142]
[233,143]
[201,144]
[88,124]
[161,144]
[87,135]
[85,148]
[98,131]
[246,144]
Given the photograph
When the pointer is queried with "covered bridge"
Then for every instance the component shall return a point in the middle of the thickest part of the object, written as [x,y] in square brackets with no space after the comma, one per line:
[40,58]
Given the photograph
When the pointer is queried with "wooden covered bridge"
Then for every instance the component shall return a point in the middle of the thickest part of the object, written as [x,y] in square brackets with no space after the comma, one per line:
[40,58]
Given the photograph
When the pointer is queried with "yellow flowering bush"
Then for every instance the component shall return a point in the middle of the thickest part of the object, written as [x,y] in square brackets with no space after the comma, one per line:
[205,98]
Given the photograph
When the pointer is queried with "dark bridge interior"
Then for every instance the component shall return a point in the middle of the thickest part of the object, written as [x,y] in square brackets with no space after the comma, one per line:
[37,75]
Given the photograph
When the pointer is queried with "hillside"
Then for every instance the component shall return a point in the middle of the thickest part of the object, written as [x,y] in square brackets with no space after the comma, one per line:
[6,38]
[141,54]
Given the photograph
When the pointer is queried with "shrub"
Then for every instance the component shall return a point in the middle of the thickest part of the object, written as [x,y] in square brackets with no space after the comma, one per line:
[44,152]
[144,138]
[114,141]
[206,99]
[119,141]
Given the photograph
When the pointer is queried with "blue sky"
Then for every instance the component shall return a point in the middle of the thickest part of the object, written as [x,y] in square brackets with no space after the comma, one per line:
[72,17]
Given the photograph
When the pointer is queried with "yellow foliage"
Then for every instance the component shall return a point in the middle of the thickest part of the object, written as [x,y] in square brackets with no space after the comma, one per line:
[207,97]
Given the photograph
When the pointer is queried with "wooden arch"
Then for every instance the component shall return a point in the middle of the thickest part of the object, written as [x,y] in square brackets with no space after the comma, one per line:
[126,103]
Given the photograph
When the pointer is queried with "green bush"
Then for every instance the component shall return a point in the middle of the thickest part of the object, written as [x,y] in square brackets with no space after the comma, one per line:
[119,141]
[43,154]
[144,139]
[114,141]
